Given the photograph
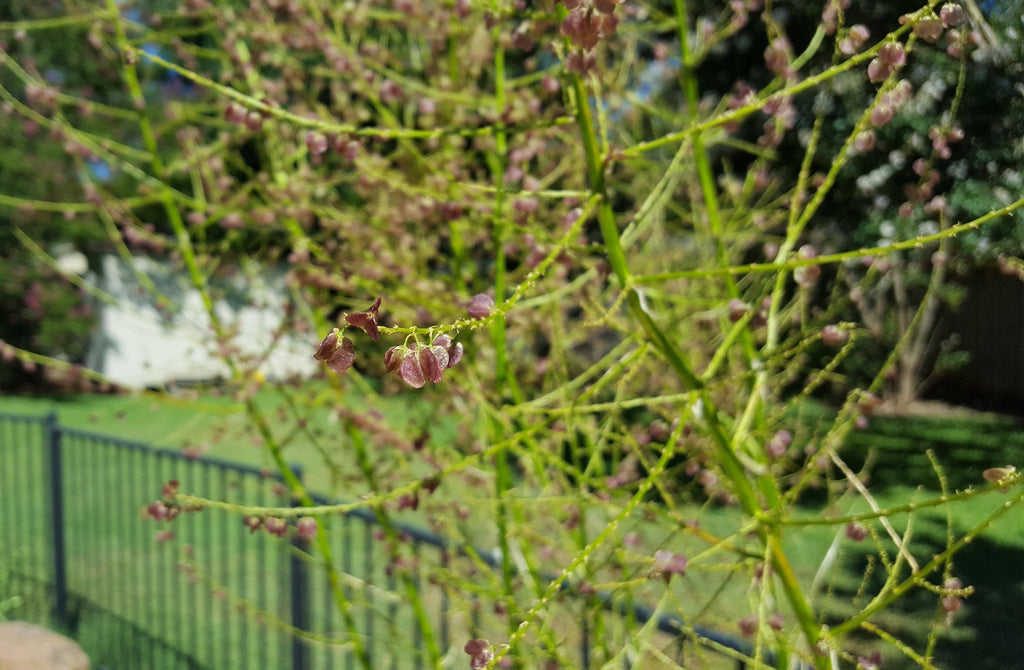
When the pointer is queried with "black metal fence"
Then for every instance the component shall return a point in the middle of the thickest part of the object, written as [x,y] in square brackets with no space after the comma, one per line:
[80,554]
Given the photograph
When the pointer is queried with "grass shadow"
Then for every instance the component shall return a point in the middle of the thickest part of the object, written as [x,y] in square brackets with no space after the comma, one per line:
[983,635]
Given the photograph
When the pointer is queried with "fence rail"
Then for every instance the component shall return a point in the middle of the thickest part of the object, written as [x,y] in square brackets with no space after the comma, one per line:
[217,596]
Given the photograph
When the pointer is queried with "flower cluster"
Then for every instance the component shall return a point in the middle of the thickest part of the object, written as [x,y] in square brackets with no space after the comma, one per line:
[167,508]
[417,365]
[305,528]
[585,25]
[855,38]
[890,102]
[338,352]
[890,57]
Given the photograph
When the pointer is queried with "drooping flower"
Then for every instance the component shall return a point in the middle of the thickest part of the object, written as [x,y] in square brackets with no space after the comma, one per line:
[417,365]
[411,371]
[433,361]
[338,353]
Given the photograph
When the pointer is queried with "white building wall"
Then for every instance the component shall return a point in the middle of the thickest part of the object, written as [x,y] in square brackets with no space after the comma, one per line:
[135,346]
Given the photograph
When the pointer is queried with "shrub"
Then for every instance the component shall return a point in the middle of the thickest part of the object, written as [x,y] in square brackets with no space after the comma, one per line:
[637,289]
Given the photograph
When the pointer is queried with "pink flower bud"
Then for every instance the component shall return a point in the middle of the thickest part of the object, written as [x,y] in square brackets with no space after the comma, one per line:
[878,71]
[881,115]
[275,526]
[157,510]
[667,564]
[234,113]
[480,306]
[872,662]
[865,141]
[306,527]
[951,14]
[779,443]
[928,29]
[479,652]
[737,309]
[998,474]
[254,121]
[339,355]
[892,54]
[833,336]
[856,531]
[393,358]
[367,320]
[316,143]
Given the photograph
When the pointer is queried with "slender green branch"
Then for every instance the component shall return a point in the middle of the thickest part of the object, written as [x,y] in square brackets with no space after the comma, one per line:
[828,259]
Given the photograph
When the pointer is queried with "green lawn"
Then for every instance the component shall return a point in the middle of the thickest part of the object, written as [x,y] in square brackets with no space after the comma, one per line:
[984,635]
[221,427]
[115,560]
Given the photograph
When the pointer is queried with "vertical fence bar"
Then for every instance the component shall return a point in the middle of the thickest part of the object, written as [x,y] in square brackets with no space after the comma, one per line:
[445,605]
[60,576]
[299,589]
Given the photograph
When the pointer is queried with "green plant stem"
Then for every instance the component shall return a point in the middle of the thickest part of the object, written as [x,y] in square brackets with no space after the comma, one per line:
[582,556]
[727,458]
[503,475]
[830,259]
[411,591]
[341,602]
[758,103]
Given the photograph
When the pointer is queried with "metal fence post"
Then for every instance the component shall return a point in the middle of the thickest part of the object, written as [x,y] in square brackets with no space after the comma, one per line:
[60,577]
[299,589]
